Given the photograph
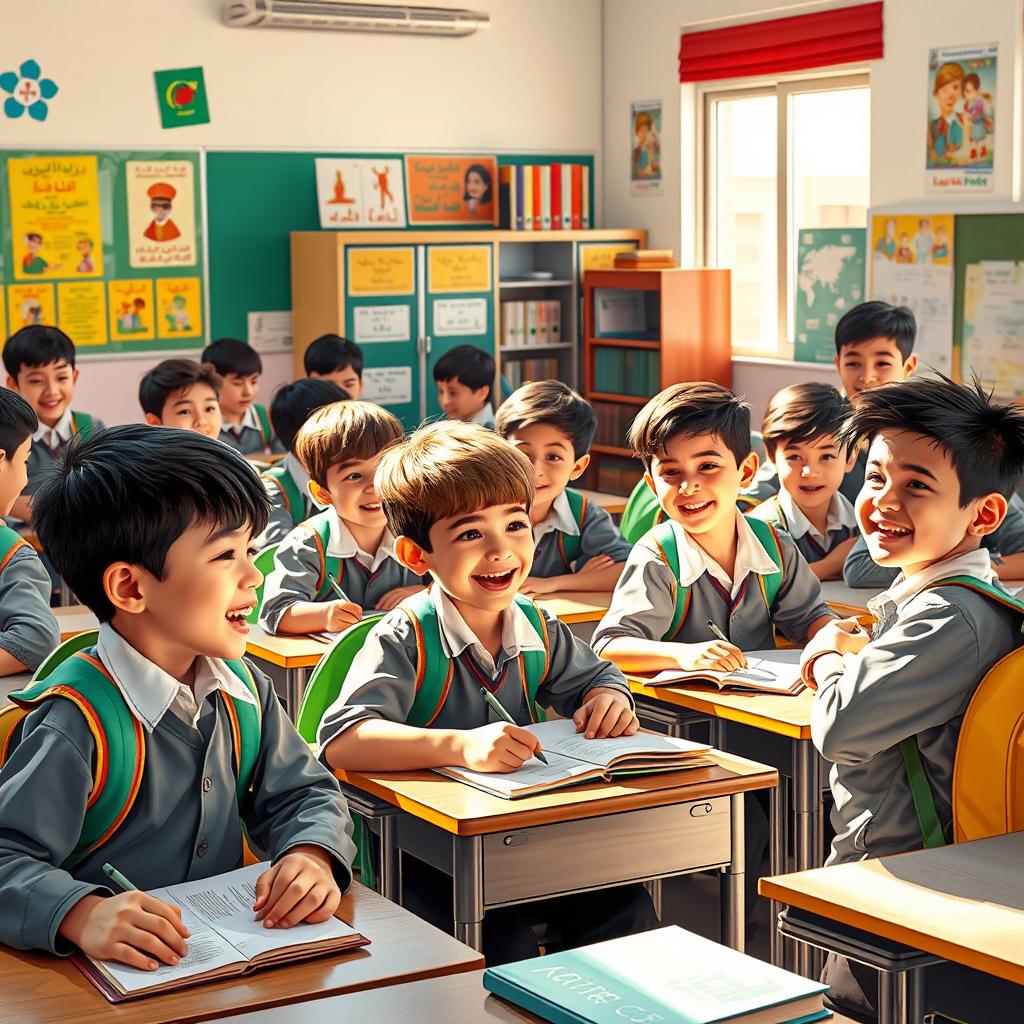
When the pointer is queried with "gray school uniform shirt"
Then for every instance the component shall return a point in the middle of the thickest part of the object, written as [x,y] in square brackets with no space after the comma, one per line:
[364,578]
[281,522]
[186,822]
[247,437]
[28,630]
[381,682]
[48,444]
[643,602]
[598,536]
[928,652]
[783,512]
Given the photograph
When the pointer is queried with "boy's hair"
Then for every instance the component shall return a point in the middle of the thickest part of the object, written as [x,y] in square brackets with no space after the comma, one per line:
[344,432]
[160,482]
[230,355]
[447,468]
[17,421]
[293,404]
[689,409]
[37,346]
[469,365]
[551,402]
[172,375]
[331,353]
[803,412]
[877,320]
[984,440]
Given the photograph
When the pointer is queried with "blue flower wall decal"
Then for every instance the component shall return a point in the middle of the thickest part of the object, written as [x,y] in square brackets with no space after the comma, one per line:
[27,91]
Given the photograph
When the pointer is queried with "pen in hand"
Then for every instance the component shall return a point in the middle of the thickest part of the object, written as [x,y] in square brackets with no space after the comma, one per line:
[336,587]
[117,878]
[721,636]
[506,717]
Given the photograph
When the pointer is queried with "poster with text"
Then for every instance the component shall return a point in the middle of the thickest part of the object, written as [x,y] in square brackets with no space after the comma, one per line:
[645,147]
[452,189]
[961,118]
[179,307]
[993,343]
[82,311]
[30,304]
[360,193]
[55,217]
[161,213]
[130,305]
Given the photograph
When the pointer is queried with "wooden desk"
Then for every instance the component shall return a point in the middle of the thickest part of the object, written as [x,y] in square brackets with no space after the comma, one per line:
[503,852]
[847,600]
[42,989]
[577,606]
[74,619]
[613,504]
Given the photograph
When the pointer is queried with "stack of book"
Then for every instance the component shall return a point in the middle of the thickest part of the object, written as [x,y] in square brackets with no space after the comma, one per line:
[646,259]
[518,371]
[531,324]
[613,422]
[627,371]
[544,197]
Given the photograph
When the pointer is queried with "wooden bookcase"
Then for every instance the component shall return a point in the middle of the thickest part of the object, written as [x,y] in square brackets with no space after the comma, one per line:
[644,330]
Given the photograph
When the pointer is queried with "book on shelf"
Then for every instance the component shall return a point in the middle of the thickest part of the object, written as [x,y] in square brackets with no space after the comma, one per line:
[507,197]
[541,197]
[646,259]
[537,197]
[566,196]
[577,196]
[518,371]
[531,323]
[775,672]
[573,759]
[226,939]
[527,198]
[556,196]
[545,197]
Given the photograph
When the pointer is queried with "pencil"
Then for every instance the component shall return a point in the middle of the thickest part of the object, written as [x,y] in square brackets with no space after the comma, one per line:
[506,717]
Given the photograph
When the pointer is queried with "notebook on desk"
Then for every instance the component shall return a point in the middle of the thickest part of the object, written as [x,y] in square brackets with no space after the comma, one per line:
[776,672]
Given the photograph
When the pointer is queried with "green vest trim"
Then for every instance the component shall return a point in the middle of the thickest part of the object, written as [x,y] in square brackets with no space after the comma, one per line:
[293,499]
[320,525]
[10,543]
[82,423]
[266,429]
[569,544]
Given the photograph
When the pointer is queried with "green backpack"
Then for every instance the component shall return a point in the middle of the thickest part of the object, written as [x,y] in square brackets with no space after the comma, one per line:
[642,512]
[330,565]
[294,501]
[569,544]
[266,428]
[82,423]
[10,544]
[264,561]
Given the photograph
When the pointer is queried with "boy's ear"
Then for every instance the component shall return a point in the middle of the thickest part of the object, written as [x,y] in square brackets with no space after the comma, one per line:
[12,384]
[748,470]
[581,464]
[988,515]
[153,420]
[411,555]
[122,585]
[74,377]
[909,366]
[320,495]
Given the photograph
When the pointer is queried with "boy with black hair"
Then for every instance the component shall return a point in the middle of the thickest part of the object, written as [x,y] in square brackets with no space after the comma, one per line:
[288,482]
[171,579]
[943,461]
[337,359]
[245,424]
[40,364]
[800,431]
[465,382]
[182,393]
[577,544]
[457,497]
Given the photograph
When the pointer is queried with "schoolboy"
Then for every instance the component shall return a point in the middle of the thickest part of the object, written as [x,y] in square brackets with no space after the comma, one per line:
[288,482]
[337,359]
[182,393]
[245,424]
[465,381]
[800,431]
[457,498]
[694,440]
[40,364]
[943,460]
[340,445]
[28,630]
[170,578]
[577,544]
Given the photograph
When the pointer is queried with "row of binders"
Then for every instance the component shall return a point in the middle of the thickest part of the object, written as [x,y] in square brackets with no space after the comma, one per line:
[531,324]
[518,371]
[544,197]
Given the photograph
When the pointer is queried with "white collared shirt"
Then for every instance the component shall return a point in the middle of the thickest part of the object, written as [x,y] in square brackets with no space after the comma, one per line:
[485,417]
[341,544]
[751,556]
[248,421]
[559,517]
[150,692]
[840,516]
[53,437]
[517,632]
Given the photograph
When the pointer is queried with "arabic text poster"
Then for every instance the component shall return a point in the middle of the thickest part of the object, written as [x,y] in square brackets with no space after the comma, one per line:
[452,189]
[82,311]
[179,309]
[161,213]
[360,193]
[131,310]
[30,304]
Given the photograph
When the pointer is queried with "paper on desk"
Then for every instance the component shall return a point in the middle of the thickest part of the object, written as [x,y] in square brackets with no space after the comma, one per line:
[768,671]
[560,738]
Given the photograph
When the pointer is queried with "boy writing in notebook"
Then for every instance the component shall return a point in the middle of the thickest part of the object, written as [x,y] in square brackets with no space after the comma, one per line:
[170,578]
[338,360]
[465,382]
[182,393]
[942,462]
[457,498]
[577,545]
[342,560]
[706,563]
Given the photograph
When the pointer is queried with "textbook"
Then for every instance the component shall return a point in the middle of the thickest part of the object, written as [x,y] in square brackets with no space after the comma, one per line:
[573,759]
[226,939]
[667,975]
[766,672]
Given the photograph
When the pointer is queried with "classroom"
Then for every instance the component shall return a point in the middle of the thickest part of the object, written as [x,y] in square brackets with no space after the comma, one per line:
[512,513]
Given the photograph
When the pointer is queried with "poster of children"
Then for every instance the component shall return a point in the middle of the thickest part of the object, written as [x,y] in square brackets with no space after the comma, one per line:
[360,193]
[31,304]
[645,147]
[161,213]
[130,303]
[961,118]
[179,307]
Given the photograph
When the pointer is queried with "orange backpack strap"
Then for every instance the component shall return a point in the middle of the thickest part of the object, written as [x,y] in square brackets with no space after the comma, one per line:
[10,544]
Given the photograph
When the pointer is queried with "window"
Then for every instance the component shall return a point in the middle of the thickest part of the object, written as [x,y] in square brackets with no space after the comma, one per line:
[779,158]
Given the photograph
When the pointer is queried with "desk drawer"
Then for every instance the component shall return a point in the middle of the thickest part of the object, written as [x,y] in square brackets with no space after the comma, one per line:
[574,855]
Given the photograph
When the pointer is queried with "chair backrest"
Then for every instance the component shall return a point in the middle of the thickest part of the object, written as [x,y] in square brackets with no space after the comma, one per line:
[264,561]
[641,513]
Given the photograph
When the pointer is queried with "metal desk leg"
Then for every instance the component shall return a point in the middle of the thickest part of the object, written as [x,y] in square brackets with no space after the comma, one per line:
[389,880]
[295,688]
[653,886]
[777,860]
[468,874]
[734,915]
[808,832]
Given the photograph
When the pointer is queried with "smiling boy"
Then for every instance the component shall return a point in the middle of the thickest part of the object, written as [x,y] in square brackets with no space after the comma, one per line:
[182,393]
[465,381]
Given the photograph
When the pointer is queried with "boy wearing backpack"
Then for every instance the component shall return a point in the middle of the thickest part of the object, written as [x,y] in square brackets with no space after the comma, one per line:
[164,702]
[457,498]
[347,547]
[706,561]
[578,546]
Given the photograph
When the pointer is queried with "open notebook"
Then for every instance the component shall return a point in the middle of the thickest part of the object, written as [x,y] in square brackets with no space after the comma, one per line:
[766,672]
[226,939]
[574,759]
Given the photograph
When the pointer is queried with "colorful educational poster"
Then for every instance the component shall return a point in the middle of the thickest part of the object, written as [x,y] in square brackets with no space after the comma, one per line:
[459,268]
[645,148]
[460,317]
[386,271]
[961,118]
[360,193]
[82,311]
[131,311]
[387,385]
[829,281]
[993,339]
[161,213]
[55,216]
[181,96]
[382,323]
[179,307]
[452,189]
[30,304]
[912,265]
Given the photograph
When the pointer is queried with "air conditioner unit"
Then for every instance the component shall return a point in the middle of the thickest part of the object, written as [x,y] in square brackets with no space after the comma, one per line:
[349,17]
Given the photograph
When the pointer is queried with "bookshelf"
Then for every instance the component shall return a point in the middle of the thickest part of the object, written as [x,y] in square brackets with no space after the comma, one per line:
[644,330]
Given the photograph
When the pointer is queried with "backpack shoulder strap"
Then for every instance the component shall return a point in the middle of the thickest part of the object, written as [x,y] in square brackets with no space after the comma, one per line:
[981,587]
[263,418]
[285,483]
[662,540]
[10,544]
[82,423]
[534,664]
[246,721]
[769,539]
[320,526]
[569,545]
[433,670]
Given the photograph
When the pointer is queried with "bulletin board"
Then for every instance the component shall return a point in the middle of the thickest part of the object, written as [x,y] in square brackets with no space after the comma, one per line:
[107,245]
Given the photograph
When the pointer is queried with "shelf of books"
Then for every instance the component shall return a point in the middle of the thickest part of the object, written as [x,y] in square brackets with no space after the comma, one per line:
[644,330]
